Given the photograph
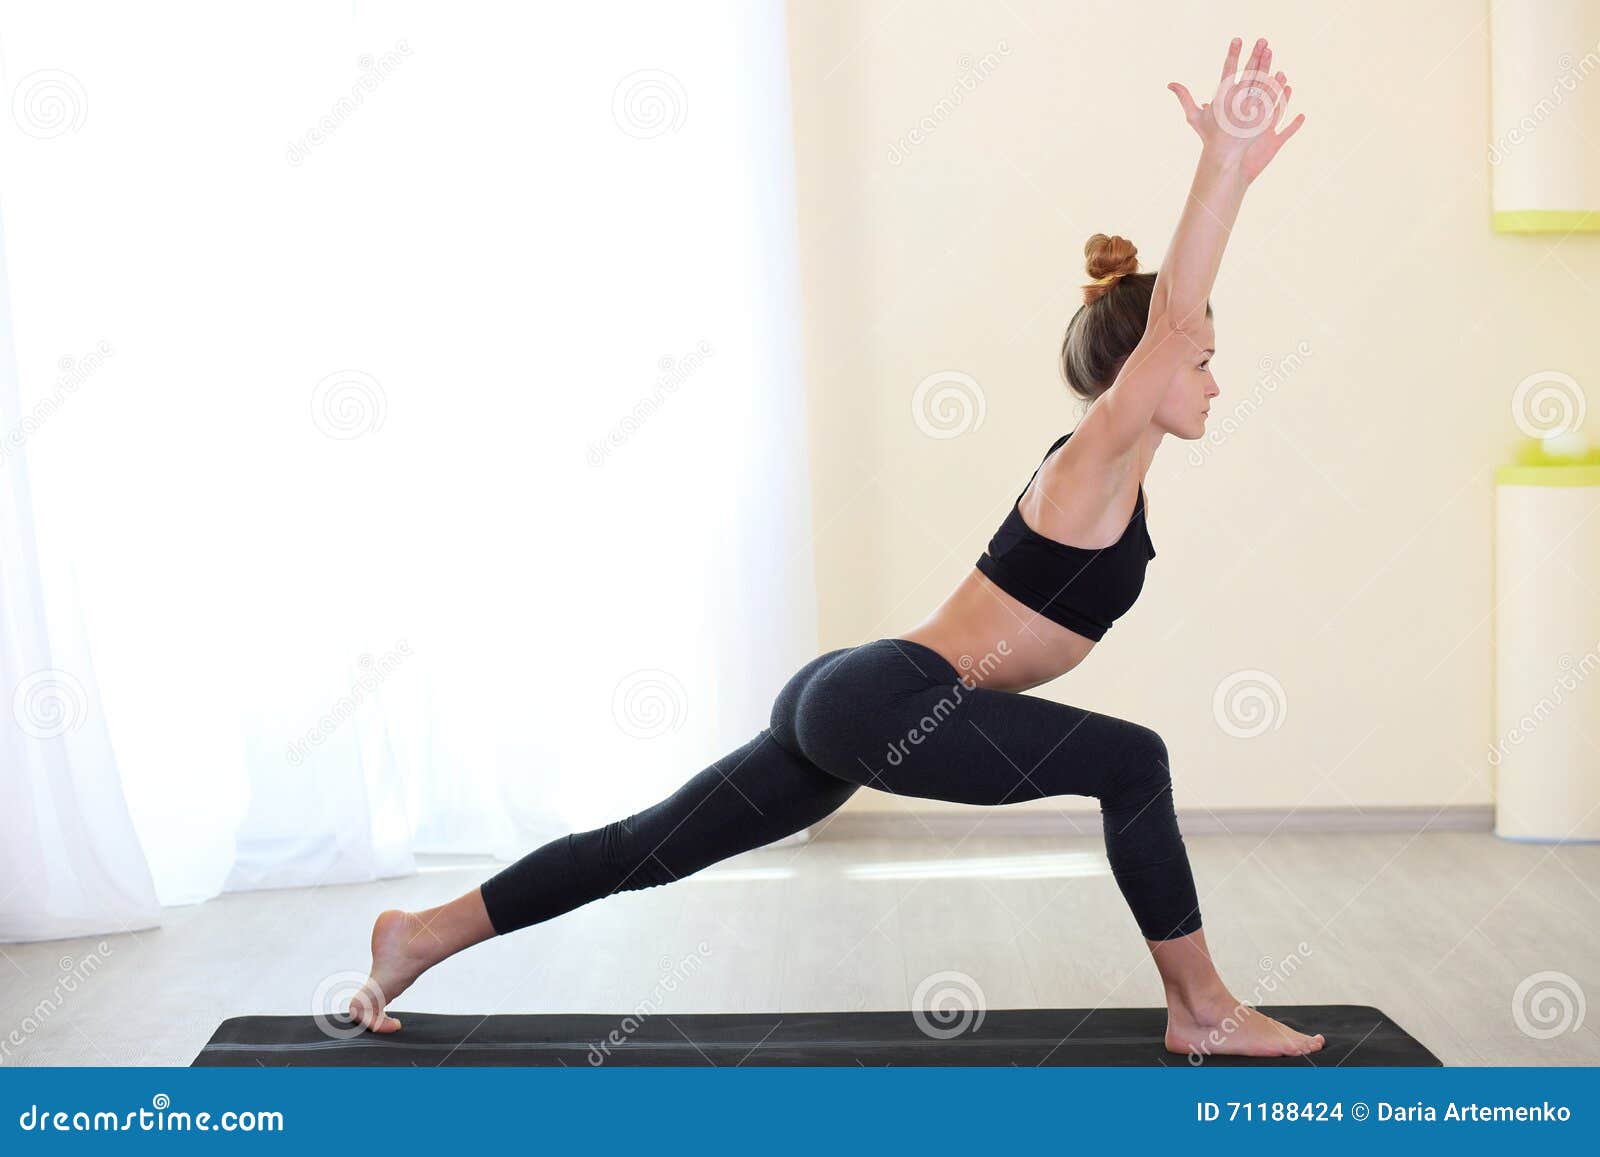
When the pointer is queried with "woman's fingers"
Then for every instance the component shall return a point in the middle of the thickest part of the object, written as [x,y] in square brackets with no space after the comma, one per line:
[1250,61]
[1230,66]
[1276,141]
[1277,97]
[1267,90]
[1271,89]
[1190,109]
[1230,81]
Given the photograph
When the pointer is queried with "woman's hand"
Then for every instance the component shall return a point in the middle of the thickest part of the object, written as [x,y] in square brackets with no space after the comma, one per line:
[1239,124]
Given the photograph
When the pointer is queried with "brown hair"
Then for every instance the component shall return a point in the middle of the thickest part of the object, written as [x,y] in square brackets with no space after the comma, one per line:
[1111,320]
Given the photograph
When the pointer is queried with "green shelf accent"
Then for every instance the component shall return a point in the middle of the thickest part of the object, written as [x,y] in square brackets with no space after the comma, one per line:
[1547,475]
[1547,221]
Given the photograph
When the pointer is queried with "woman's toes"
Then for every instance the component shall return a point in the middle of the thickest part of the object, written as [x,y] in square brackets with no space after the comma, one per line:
[366,1007]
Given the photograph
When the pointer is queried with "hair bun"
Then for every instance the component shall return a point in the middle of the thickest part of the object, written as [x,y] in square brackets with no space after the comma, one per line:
[1108,260]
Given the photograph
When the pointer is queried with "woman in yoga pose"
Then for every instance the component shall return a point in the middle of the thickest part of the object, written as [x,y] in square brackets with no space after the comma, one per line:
[938,711]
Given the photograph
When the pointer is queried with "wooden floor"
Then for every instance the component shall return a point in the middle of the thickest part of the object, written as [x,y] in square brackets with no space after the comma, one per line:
[1439,930]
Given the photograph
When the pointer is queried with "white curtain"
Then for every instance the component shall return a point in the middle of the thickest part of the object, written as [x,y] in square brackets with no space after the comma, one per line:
[414,397]
[70,864]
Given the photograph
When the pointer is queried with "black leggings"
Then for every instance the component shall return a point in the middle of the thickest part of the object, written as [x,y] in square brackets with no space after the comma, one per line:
[894,715]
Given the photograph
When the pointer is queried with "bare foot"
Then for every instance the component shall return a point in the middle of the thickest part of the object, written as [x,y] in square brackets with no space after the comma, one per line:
[1227,1026]
[402,950]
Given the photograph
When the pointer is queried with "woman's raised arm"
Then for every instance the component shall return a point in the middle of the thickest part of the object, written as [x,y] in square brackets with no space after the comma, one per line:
[1238,130]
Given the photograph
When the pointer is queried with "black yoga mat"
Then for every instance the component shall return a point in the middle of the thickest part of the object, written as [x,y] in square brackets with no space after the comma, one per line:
[1356,1035]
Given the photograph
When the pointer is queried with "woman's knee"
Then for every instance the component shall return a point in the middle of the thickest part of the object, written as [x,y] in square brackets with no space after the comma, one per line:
[1146,748]
[1140,771]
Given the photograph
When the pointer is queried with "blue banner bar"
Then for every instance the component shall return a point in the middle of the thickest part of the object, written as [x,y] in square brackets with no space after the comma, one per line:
[810,1111]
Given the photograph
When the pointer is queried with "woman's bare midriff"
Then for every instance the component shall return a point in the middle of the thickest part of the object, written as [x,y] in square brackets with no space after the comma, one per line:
[997,642]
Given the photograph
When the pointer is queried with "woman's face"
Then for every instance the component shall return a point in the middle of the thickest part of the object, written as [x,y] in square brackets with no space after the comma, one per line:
[1182,412]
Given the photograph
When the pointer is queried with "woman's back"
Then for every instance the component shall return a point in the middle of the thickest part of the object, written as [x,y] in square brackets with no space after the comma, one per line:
[1067,560]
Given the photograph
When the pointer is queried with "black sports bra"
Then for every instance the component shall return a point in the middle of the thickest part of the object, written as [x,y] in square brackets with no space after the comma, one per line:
[1083,590]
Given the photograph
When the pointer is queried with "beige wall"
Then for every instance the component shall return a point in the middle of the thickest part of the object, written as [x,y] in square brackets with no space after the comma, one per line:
[1340,538]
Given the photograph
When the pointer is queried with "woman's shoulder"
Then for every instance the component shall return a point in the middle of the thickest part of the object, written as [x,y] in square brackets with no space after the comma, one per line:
[1084,461]
[1078,494]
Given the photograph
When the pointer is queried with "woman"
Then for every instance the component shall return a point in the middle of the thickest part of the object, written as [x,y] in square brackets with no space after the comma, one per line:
[937,712]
